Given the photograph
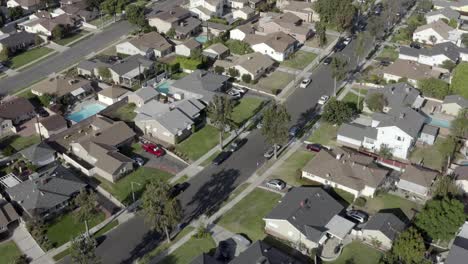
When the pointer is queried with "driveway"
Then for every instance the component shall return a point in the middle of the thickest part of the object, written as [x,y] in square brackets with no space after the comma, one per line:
[165,163]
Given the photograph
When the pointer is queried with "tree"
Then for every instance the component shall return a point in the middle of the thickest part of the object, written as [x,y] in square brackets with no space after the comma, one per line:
[171,33]
[87,206]
[105,73]
[82,250]
[109,7]
[94,4]
[446,148]
[136,15]
[38,40]
[385,151]
[453,23]
[408,248]
[160,210]
[276,125]
[441,218]
[15,12]
[21,259]
[376,102]
[459,126]
[321,33]
[375,26]
[459,83]
[449,65]
[464,39]
[4,54]
[219,112]
[218,69]
[246,78]
[46,98]
[59,32]
[338,66]
[433,87]
[360,47]
[338,12]
[445,186]
[337,112]
[233,72]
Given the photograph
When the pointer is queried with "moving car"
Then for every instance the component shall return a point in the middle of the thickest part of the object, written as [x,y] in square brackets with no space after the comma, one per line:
[276,184]
[154,149]
[304,83]
[323,100]
[314,147]
[237,144]
[271,151]
[138,161]
[178,189]
[358,215]
[328,60]
[222,157]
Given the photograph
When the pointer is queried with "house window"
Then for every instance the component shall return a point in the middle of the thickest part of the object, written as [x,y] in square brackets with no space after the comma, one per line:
[399,138]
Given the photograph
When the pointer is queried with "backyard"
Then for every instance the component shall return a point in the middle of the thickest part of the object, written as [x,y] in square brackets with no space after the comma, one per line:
[190,250]
[325,134]
[389,201]
[299,60]
[358,253]
[275,82]
[291,169]
[122,189]
[429,155]
[199,143]
[9,251]
[247,107]
[247,216]
[124,113]
[29,56]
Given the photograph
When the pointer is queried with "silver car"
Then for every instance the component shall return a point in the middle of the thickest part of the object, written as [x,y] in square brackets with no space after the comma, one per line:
[276,184]
[271,152]
[358,215]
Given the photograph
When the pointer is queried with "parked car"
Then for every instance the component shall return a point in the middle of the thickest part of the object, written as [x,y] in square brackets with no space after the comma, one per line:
[358,215]
[314,147]
[304,83]
[222,157]
[234,94]
[138,161]
[323,100]
[415,45]
[239,90]
[271,151]
[294,131]
[276,184]
[237,144]
[328,60]
[347,40]
[154,149]
[339,46]
[178,189]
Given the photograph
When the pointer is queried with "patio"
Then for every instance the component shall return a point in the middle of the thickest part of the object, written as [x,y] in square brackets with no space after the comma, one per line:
[331,249]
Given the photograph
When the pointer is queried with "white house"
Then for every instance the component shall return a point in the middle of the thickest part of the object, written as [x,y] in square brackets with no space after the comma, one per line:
[279,45]
[244,13]
[112,95]
[240,32]
[150,45]
[417,180]
[437,32]
[186,48]
[238,4]
[205,9]
[447,14]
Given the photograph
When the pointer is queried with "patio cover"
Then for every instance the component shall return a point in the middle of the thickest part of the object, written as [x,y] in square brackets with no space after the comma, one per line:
[78,91]
[339,227]
[9,180]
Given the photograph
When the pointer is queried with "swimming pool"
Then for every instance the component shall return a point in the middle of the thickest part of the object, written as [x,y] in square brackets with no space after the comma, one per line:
[202,39]
[85,112]
[163,87]
[438,122]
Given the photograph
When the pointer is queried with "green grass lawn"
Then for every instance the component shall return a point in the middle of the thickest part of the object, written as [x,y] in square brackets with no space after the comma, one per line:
[325,134]
[190,250]
[299,60]
[352,98]
[163,246]
[122,189]
[247,107]
[389,53]
[289,170]
[358,253]
[430,155]
[199,143]
[19,143]
[276,80]
[125,113]
[65,227]
[98,22]
[9,251]
[247,216]
[389,201]
[29,56]
[234,193]
[67,40]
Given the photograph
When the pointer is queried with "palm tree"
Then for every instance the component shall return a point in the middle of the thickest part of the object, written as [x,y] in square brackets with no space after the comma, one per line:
[87,207]
[276,125]
[338,66]
[219,113]
[161,211]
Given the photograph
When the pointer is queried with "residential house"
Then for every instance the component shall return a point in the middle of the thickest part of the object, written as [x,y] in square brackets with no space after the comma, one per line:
[8,29]
[346,170]
[417,180]
[60,86]
[51,125]
[434,56]
[303,9]
[204,258]
[112,95]
[90,68]
[206,9]
[460,6]
[244,13]
[461,177]
[411,70]
[288,23]
[46,191]
[142,96]
[428,134]
[16,109]
[395,96]
[44,25]
[17,42]
[214,29]
[279,45]
[28,5]
[187,28]
[397,130]
[8,215]
[383,227]
[80,9]
[253,64]
[436,32]
[216,51]
[150,45]
[308,216]
[255,3]
[446,14]
[166,20]
[39,154]
[237,4]
[458,253]
[453,104]
[201,85]
[6,127]
[262,252]
[128,71]
[240,32]
[187,48]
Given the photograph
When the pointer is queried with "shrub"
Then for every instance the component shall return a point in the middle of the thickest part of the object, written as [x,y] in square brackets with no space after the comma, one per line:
[246,78]
[360,201]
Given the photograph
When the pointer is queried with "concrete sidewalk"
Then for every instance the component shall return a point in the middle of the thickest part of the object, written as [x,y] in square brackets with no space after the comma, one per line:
[29,246]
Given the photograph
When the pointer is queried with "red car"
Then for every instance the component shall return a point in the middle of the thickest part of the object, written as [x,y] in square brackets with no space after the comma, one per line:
[154,149]
[314,147]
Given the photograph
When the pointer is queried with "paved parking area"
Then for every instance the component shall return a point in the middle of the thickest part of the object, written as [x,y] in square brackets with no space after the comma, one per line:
[166,163]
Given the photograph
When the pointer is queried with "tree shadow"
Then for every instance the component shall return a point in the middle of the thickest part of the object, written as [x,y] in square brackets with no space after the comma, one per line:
[150,241]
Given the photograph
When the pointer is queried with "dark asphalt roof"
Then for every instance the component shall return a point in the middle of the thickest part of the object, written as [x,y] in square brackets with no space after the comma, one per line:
[456,99]
[37,152]
[131,63]
[357,131]
[405,118]
[187,25]
[309,209]
[202,82]
[18,39]
[430,130]
[261,252]
[387,223]
[447,12]
[399,94]
[409,51]
[448,49]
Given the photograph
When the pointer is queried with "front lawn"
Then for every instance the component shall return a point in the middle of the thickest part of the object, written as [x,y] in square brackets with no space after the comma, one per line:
[291,169]
[29,56]
[99,21]
[429,155]
[275,81]
[65,227]
[69,39]
[125,112]
[122,189]
[199,143]
[388,53]
[299,60]
[247,107]
[325,134]
[353,99]
[358,253]
[389,201]
[247,216]
[190,250]
[9,251]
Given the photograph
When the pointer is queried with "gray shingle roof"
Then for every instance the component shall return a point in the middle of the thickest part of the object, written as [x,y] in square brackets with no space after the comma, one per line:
[405,118]
[448,49]
[146,93]
[450,99]
[19,38]
[202,82]
[357,131]
[261,252]
[188,25]
[204,259]
[191,108]
[54,122]
[399,94]
[408,51]
[447,12]
[37,152]
[174,120]
[131,63]
[387,223]
[458,252]
[419,175]
[430,130]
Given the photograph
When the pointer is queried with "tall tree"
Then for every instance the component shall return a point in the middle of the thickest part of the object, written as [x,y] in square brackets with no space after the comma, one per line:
[459,126]
[94,3]
[82,250]
[408,248]
[87,207]
[161,211]
[136,15]
[337,112]
[375,26]
[338,66]
[276,125]
[321,32]
[219,112]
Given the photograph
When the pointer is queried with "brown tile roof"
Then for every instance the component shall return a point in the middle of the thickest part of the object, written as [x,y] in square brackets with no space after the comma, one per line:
[54,122]
[61,86]
[419,175]
[114,92]
[12,108]
[151,40]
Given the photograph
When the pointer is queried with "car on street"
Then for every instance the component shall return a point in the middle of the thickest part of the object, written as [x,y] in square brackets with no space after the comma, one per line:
[358,215]
[138,161]
[276,184]
[294,131]
[327,61]
[314,147]
[237,144]
[154,149]
[304,83]
[323,100]
[347,40]
[271,151]
[178,188]
[339,46]
[221,157]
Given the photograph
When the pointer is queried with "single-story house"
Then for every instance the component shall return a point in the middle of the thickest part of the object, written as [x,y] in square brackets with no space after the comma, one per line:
[279,45]
[216,51]
[28,5]
[204,258]
[253,64]
[128,71]
[142,96]
[347,170]
[201,84]
[288,23]
[383,227]
[90,68]
[16,109]
[187,28]
[308,216]
[150,45]
[215,29]
[417,180]
[240,32]
[303,9]
[458,253]
[428,134]
[435,56]
[112,95]
[409,69]
[17,41]
[39,154]
[396,95]
[51,125]
[8,215]
[165,20]
[262,252]
[244,13]
[435,33]
[45,24]
[60,86]
[453,104]
[186,48]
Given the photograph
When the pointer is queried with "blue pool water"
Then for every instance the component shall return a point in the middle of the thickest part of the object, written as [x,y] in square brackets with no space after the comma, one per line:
[163,87]
[85,112]
[201,39]
[438,122]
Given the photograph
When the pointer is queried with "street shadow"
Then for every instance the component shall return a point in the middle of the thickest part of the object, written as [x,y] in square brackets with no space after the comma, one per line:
[150,241]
